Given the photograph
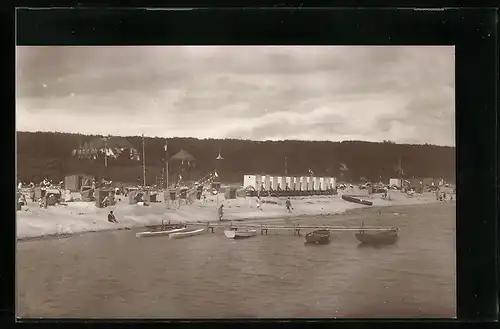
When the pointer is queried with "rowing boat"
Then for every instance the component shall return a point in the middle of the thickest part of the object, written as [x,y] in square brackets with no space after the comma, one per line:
[318,236]
[159,233]
[377,238]
[356,200]
[186,234]
[237,234]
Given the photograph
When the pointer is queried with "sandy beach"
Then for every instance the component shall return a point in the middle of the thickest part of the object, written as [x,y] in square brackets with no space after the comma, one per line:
[78,217]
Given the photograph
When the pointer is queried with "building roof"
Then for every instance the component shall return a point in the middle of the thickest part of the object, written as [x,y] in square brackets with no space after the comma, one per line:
[182,155]
[112,142]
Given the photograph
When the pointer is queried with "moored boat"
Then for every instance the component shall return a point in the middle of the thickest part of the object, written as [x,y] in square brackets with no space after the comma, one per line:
[186,234]
[357,200]
[388,236]
[159,233]
[318,236]
[240,234]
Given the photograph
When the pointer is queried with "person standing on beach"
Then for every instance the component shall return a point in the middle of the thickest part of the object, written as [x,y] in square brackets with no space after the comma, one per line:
[221,211]
[258,203]
[111,217]
[288,204]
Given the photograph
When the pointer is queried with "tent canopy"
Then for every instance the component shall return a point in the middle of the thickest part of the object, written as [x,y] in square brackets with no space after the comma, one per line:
[182,156]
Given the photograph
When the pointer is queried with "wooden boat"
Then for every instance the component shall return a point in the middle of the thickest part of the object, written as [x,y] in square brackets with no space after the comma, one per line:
[389,236]
[356,200]
[240,234]
[318,236]
[186,234]
[159,233]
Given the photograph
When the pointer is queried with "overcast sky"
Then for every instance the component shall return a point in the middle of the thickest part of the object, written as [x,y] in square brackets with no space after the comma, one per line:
[404,94]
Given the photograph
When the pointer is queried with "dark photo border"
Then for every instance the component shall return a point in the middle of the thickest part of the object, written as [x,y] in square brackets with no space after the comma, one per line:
[472,31]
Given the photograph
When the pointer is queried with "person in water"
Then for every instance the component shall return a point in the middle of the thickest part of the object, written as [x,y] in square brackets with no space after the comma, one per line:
[111,217]
[288,204]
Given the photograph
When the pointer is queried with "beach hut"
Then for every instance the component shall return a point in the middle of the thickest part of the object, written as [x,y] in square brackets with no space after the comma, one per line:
[302,183]
[274,182]
[74,182]
[322,184]
[289,183]
[100,194]
[250,180]
[281,182]
[258,182]
[310,183]
[230,193]
[332,183]
[317,183]
[395,181]
[267,182]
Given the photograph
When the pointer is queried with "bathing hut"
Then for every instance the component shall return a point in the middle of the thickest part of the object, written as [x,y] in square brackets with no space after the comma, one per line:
[74,182]
[274,182]
[322,183]
[281,182]
[250,180]
[303,183]
[309,183]
[267,182]
[289,183]
[317,183]
[332,183]
[258,182]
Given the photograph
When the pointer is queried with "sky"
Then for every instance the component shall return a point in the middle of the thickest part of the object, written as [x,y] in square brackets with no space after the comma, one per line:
[404,94]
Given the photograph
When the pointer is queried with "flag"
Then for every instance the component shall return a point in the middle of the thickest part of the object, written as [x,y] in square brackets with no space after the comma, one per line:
[311,172]
[166,146]
[216,174]
[109,153]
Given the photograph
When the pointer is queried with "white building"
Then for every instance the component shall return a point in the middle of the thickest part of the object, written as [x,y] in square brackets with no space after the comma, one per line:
[250,180]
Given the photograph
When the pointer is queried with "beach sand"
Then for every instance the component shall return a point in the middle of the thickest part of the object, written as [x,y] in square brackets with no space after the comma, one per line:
[78,217]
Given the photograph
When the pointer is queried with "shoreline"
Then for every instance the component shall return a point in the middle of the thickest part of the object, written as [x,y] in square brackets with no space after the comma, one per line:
[240,217]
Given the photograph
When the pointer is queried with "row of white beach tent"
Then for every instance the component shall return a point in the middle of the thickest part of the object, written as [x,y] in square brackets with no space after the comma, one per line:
[297,183]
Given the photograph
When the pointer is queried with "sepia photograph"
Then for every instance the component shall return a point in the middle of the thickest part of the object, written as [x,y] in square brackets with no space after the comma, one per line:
[235,182]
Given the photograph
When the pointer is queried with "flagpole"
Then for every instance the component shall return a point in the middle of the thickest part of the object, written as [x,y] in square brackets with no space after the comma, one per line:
[166,164]
[105,152]
[286,168]
[143,162]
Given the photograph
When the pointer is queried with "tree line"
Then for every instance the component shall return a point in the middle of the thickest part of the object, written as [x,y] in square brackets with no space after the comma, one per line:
[47,154]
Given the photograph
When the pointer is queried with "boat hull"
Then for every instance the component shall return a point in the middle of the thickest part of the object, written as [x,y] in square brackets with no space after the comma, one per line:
[158,233]
[357,200]
[318,237]
[232,234]
[180,235]
[380,238]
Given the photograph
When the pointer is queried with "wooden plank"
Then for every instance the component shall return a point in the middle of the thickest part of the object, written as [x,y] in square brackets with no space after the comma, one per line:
[296,227]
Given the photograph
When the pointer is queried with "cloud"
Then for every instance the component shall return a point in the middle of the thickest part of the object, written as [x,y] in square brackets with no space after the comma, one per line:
[404,94]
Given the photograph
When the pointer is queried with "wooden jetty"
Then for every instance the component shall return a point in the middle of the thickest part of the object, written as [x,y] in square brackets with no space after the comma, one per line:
[264,228]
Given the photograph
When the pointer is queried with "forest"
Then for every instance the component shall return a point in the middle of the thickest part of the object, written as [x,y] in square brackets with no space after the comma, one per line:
[48,154]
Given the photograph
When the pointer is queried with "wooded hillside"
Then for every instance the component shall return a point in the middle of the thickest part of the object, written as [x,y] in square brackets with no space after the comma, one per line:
[42,154]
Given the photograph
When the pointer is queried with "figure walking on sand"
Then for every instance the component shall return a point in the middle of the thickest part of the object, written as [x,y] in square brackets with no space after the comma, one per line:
[111,217]
[258,203]
[221,211]
[288,204]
